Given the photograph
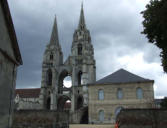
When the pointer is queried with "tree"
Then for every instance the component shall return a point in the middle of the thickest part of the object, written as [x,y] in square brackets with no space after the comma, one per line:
[155,26]
[164,103]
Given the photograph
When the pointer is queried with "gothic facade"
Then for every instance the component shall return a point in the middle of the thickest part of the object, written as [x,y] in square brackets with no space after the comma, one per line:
[80,65]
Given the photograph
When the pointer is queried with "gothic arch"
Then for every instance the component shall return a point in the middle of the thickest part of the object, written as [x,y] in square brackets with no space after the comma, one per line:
[49,77]
[64,73]
[51,56]
[48,101]
[79,49]
[79,75]
[61,102]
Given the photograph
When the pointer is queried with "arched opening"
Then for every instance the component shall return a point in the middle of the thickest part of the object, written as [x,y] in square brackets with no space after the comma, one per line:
[64,103]
[84,118]
[67,105]
[51,56]
[101,115]
[80,81]
[49,77]
[79,102]
[117,111]
[139,93]
[79,49]
[48,103]
[65,82]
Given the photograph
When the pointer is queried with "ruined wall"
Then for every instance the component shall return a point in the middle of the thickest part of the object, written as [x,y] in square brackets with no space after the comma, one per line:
[40,118]
[142,118]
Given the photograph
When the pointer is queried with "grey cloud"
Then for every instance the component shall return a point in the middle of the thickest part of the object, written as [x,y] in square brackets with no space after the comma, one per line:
[115,28]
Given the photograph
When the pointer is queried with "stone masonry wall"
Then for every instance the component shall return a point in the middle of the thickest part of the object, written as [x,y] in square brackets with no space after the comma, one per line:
[142,118]
[40,119]
[111,102]
[91,126]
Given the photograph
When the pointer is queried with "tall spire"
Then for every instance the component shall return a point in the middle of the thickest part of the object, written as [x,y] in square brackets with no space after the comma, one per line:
[82,24]
[54,39]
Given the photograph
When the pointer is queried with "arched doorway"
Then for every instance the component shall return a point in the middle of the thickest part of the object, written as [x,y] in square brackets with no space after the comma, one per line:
[117,111]
[64,103]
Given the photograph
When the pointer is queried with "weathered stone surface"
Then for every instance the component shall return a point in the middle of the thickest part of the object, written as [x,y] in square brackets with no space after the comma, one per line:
[80,65]
[91,126]
[40,119]
[10,58]
[142,118]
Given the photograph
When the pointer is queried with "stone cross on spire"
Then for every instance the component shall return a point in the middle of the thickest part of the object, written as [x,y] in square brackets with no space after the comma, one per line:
[82,24]
[54,39]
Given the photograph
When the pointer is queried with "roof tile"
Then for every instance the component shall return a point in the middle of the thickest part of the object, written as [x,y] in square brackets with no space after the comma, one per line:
[28,93]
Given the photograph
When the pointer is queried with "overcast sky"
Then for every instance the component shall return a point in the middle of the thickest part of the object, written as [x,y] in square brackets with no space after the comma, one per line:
[115,27]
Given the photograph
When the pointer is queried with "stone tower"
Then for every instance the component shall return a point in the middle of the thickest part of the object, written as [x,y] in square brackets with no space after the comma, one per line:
[80,65]
[52,58]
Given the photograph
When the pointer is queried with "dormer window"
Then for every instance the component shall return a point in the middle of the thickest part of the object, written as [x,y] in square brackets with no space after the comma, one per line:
[79,49]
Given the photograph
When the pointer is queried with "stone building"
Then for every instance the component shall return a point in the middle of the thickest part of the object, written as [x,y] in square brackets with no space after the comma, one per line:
[119,90]
[10,59]
[27,98]
[91,101]
[80,65]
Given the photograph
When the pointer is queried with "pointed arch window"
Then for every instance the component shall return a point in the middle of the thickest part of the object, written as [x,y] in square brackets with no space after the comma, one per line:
[139,93]
[49,77]
[51,56]
[119,93]
[101,115]
[79,49]
[48,103]
[79,77]
[101,94]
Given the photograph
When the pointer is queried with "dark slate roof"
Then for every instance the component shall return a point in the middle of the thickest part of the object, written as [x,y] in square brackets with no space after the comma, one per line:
[28,93]
[121,76]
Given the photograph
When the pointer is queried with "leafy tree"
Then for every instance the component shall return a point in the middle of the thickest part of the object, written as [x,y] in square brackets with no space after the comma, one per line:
[155,26]
[164,103]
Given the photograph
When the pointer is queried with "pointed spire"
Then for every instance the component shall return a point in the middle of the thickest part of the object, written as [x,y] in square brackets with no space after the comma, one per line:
[54,39]
[82,19]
